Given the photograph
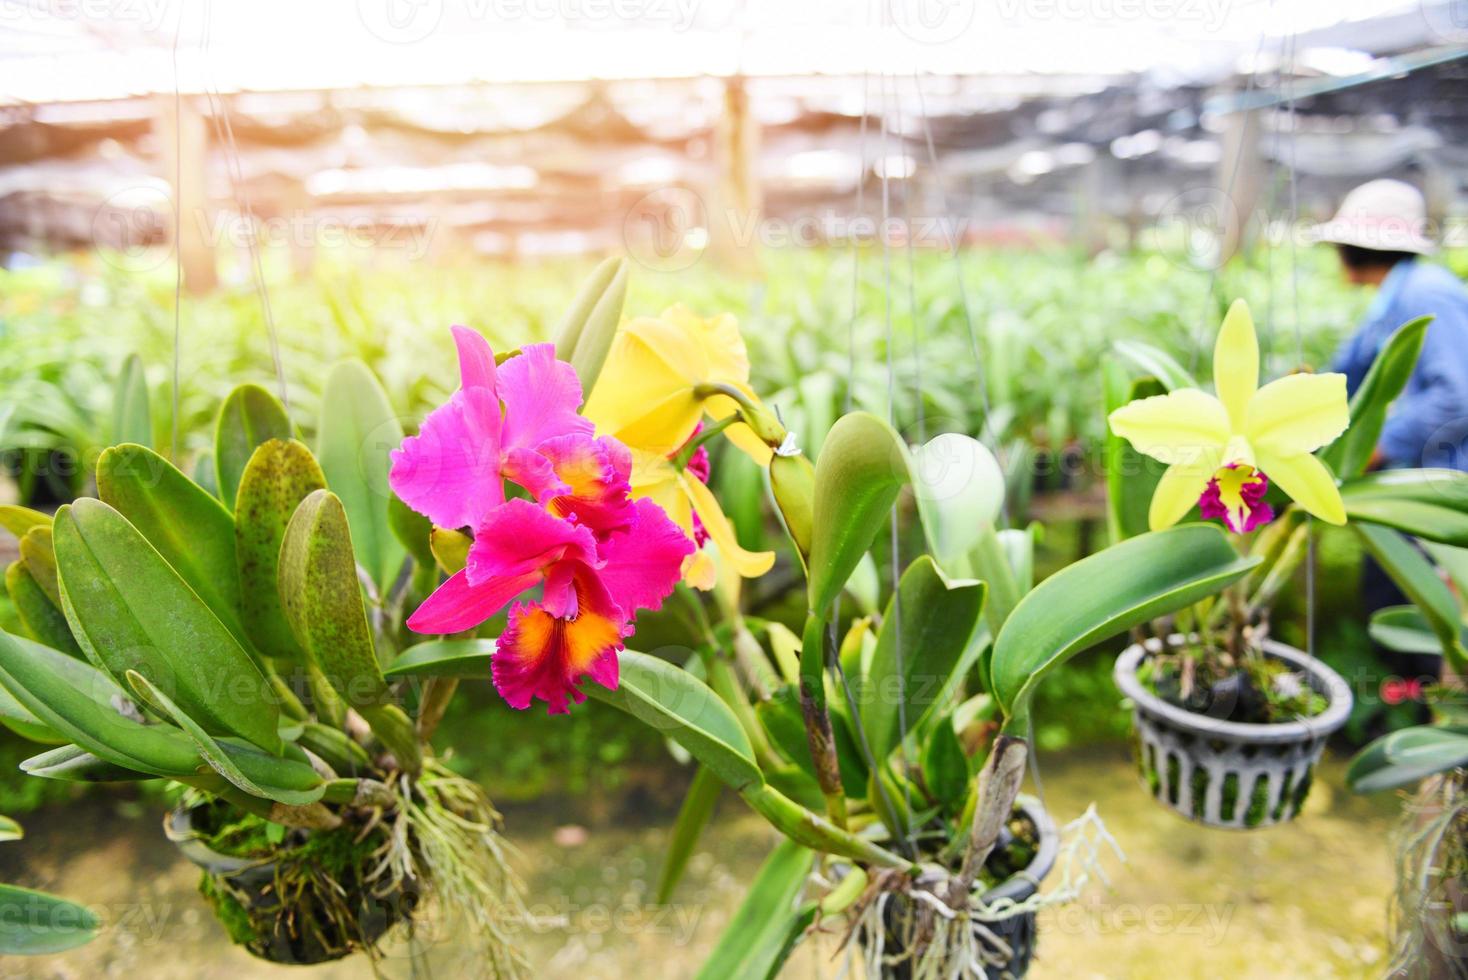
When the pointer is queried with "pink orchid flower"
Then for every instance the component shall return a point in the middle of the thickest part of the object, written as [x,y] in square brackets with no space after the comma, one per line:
[591,591]
[452,470]
[597,556]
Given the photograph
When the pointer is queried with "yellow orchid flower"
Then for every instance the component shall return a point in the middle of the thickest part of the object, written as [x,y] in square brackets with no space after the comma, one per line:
[1222,452]
[652,390]
[682,495]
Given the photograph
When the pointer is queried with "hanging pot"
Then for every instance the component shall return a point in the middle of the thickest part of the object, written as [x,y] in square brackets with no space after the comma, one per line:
[1019,932]
[246,896]
[1226,773]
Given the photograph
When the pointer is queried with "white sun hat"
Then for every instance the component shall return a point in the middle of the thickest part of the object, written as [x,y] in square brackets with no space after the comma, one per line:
[1383,215]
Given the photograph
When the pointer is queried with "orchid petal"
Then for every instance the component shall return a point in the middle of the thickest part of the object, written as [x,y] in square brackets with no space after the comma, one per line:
[750,564]
[541,396]
[456,605]
[476,359]
[1307,481]
[450,471]
[519,537]
[1179,427]
[593,475]
[644,394]
[1236,363]
[643,564]
[1298,414]
[1179,489]
[529,469]
[543,656]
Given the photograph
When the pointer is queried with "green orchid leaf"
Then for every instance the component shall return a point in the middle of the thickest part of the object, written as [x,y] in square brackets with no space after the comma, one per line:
[18,520]
[191,530]
[129,610]
[1131,477]
[358,428]
[687,710]
[1406,756]
[586,332]
[1419,581]
[74,764]
[862,468]
[77,702]
[959,488]
[323,599]
[925,630]
[1156,363]
[41,617]
[693,816]
[249,417]
[38,551]
[758,939]
[412,530]
[221,761]
[1452,560]
[1404,629]
[34,923]
[1389,373]
[19,719]
[279,475]
[945,767]
[1106,594]
[132,420]
[467,659]
[9,829]
[1431,504]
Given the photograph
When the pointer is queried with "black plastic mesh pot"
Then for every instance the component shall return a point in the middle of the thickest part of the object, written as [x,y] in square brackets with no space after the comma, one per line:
[1019,932]
[1226,773]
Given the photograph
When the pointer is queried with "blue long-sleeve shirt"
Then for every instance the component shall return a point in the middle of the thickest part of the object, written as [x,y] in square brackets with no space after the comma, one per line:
[1428,424]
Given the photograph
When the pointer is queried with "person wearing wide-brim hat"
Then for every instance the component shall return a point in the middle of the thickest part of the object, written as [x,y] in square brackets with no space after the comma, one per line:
[1380,232]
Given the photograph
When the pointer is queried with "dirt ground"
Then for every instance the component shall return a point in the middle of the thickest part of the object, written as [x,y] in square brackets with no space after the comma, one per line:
[1305,900]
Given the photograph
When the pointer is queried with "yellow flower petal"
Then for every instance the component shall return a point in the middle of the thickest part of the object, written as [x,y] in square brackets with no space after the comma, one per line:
[749,564]
[1307,481]
[1179,489]
[1236,362]
[1179,427]
[700,571]
[1298,414]
[657,479]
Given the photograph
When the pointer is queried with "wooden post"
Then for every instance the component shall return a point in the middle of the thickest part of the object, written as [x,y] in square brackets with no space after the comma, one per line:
[1240,179]
[183,153]
[738,199]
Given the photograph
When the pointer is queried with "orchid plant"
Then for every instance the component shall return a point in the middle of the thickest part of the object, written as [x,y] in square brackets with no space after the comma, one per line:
[1264,461]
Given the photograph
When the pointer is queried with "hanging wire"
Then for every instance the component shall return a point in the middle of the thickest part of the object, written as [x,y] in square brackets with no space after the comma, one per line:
[987,434]
[894,538]
[861,180]
[224,132]
[173,449]
[913,323]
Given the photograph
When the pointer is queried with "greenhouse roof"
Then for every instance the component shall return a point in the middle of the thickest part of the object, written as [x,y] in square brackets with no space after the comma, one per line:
[75,50]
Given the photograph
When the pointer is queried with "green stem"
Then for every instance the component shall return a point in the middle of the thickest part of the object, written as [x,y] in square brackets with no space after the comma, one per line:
[709,433]
[395,730]
[437,693]
[805,827]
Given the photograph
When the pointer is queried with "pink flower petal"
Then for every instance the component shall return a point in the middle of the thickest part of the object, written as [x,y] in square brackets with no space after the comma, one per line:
[544,656]
[450,471]
[594,475]
[520,537]
[643,564]
[541,396]
[531,470]
[476,360]
[456,605]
